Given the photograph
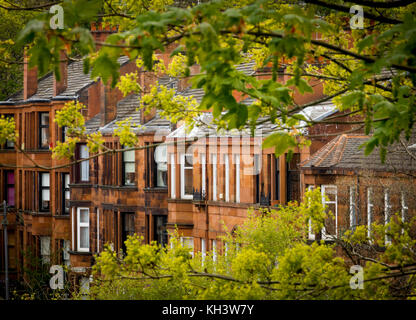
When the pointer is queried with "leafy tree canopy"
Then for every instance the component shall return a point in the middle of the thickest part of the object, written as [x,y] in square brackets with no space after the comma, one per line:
[368,72]
[268,257]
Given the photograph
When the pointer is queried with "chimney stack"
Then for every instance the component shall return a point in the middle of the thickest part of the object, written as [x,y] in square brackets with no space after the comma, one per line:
[30,79]
[100,32]
[61,85]
[108,103]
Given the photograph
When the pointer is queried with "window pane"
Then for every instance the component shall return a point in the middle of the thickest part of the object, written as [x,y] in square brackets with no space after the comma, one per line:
[67,195]
[162,177]
[45,246]
[9,144]
[330,221]
[129,167]
[188,181]
[44,119]
[10,177]
[85,168]
[45,195]
[188,160]
[83,151]
[10,196]
[66,179]
[129,178]
[129,155]
[45,180]
[44,137]
[83,216]
[65,249]
[188,242]
[84,237]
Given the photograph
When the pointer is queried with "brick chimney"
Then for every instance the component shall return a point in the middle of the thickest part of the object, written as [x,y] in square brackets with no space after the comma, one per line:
[100,32]
[61,85]
[30,79]
[108,103]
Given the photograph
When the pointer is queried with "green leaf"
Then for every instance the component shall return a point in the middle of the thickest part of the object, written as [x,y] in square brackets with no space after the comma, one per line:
[281,141]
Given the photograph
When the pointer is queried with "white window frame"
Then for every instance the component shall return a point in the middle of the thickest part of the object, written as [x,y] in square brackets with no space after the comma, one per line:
[387,210]
[326,236]
[370,207]
[203,174]
[405,208]
[183,168]
[172,176]
[227,177]
[311,236]
[237,178]
[353,207]
[82,225]
[98,230]
[214,251]
[226,248]
[214,177]
[203,249]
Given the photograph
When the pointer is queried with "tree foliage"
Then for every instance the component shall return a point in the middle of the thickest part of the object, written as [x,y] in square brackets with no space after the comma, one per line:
[368,72]
[267,257]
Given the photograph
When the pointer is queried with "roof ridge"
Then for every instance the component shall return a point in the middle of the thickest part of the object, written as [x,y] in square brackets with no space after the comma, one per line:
[329,147]
[340,151]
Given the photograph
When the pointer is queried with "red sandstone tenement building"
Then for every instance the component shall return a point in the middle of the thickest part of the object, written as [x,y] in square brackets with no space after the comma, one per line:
[194,183]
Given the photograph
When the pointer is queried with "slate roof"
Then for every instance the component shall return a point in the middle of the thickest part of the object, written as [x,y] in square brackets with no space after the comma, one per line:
[343,152]
[77,81]
[317,112]
[126,108]
[247,68]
